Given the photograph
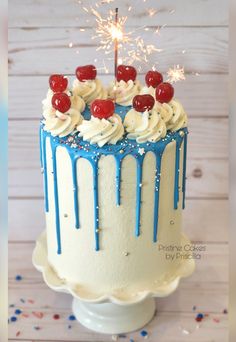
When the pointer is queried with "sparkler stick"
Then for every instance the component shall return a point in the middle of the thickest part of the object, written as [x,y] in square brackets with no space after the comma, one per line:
[116,45]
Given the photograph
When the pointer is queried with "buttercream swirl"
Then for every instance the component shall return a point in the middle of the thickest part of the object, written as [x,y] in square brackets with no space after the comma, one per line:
[148,90]
[76,102]
[124,92]
[102,131]
[143,127]
[90,90]
[61,124]
[173,114]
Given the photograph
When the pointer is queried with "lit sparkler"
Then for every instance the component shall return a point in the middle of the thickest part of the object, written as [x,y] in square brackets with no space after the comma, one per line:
[175,74]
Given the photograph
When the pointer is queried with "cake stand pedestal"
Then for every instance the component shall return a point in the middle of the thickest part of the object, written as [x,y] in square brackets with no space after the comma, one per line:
[110,314]
[113,318]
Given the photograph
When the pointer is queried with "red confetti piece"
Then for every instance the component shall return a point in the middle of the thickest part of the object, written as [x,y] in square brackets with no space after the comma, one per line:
[31,301]
[56,316]
[25,315]
[38,314]
[216,320]
[18,333]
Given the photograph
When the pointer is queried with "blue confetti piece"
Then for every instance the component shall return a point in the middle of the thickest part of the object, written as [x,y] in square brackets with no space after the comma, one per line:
[200,315]
[144,333]
[72,318]
[18,311]
[18,277]
[13,319]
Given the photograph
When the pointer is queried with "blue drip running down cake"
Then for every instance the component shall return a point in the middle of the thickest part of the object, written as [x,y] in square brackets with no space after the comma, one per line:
[114,167]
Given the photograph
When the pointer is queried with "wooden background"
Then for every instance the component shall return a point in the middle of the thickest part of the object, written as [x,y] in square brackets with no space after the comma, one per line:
[39,34]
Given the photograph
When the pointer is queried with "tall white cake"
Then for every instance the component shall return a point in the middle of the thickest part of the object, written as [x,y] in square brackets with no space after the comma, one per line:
[114,165]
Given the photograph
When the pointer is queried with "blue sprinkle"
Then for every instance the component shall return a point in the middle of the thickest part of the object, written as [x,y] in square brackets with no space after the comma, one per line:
[13,319]
[200,315]
[143,333]
[72,318]
[18,277]
[18,311]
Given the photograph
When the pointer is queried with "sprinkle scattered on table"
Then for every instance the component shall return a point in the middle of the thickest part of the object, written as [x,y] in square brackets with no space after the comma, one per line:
[194,308]
[144,333]
[18,333]
[18,311]
[38,314]
[18,277]
[199,317]
[37,328]
[72,318]
[56,316]
[225,311]
[31,301]
[216,320]
[13,319]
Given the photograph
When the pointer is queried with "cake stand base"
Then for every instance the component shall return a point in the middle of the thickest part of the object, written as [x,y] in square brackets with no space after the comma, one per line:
[110,318]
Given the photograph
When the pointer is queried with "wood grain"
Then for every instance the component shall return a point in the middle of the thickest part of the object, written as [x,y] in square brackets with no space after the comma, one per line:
[192,92]
[206,50]
[208,223]
[28,13]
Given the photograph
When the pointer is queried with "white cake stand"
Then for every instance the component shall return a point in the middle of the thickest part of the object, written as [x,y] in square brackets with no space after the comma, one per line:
[110,314]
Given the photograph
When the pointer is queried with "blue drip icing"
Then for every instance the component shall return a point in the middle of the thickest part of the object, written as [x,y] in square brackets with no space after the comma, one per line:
[118,179]
[184,170]
[43,160]
[138,194]
[120,151]
[94,164]
[157,194]
[57,211]
[75,189]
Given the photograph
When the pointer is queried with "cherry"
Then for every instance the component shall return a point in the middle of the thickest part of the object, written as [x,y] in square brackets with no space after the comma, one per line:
[102,109]
[61,102]
[153,78]
[141,103]
[164,92]
[58,83]
[126,73]
[86,72]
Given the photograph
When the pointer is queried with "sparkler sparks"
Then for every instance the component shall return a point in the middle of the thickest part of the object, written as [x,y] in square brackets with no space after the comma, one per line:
[175,74]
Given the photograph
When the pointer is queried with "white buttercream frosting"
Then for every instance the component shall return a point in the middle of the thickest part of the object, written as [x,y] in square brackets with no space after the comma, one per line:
[102,131]
[61,124]
[76,102]
[143,127]
[173,114]
[124,92]
[90,90]
[148,90]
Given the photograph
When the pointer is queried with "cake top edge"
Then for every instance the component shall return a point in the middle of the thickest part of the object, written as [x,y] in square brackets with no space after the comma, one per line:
[125,109]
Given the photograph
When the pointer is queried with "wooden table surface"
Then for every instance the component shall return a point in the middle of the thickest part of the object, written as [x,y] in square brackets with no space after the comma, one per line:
[196,36]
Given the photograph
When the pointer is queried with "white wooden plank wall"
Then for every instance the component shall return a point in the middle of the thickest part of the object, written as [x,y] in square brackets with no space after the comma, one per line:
[39,35]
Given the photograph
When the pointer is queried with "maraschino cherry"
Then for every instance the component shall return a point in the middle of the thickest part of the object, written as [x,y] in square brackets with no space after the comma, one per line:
[153,78]
[86,72]
[141,103]
[61,102]
[58,83]
[126,73]
[102,109]
[164,92]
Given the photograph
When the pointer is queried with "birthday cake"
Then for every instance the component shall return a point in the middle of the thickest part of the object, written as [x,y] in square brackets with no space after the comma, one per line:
[114,166]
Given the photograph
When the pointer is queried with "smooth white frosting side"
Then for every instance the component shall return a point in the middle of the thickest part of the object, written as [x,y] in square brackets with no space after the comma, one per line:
[90,90]
[143,127]
[76,102]
[62,124]
[124,92]
[110,270]
[102,131]
[173,114]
